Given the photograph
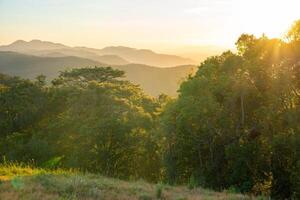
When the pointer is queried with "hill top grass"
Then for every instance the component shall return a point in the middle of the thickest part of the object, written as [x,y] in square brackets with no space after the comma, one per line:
[25,182]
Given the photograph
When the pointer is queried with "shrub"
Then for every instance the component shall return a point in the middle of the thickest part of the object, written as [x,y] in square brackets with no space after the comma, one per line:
[159,191]
[193,183]
[145,196]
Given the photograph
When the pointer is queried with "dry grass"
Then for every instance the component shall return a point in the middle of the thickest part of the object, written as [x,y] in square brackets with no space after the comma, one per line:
[23,182]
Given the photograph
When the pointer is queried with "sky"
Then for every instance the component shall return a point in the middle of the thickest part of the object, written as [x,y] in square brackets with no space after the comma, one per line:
[162,25]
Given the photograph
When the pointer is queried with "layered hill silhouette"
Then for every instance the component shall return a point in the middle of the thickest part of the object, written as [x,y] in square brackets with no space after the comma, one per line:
[110,55]
[29,59]
[153,80]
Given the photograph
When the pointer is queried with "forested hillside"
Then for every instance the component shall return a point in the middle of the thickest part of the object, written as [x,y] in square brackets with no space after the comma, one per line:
[234,125]
[236,122]
[153,80]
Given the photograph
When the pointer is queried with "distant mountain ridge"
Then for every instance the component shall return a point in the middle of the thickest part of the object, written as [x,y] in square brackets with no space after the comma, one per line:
[153,80]
[50,49]
[21,45]
[117,55]
[145,56]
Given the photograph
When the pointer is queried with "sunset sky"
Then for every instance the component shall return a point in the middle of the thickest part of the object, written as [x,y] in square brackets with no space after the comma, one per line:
[156,24]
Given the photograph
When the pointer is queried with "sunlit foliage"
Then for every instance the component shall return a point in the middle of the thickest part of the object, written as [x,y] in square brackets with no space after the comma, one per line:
[235,124]
[88,119]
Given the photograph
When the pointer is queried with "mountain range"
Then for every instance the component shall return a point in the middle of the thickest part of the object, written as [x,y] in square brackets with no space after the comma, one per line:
[114,55]
[29,59]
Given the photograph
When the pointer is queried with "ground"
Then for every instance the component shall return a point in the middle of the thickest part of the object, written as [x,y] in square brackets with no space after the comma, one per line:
[23,182]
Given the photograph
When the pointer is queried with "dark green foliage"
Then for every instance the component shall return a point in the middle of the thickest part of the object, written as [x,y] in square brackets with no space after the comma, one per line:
[84,75]
[145,196]
[193,182]
[234,126]
[22,104]
[88,119]
[159,191]
[235,123]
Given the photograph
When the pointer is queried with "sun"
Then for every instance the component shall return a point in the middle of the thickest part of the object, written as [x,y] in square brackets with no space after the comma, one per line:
[269,17]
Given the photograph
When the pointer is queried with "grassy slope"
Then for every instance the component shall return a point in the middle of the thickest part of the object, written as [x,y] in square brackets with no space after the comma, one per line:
[27,183]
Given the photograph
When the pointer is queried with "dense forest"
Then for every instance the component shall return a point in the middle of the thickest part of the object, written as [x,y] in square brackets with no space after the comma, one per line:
[235,123]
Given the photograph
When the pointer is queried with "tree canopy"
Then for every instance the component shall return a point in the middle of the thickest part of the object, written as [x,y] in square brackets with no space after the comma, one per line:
[234,125]
[236,122]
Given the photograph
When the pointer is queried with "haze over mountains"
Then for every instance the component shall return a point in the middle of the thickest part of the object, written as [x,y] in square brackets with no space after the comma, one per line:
[114,55]
[154,72]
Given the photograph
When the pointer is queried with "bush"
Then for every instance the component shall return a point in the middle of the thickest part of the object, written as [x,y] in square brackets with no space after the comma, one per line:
[145,196]
[193,183]
[233,190]
[159,191]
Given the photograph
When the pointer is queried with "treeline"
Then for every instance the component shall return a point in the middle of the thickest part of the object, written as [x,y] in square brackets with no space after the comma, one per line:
[235,123]
[87,119]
